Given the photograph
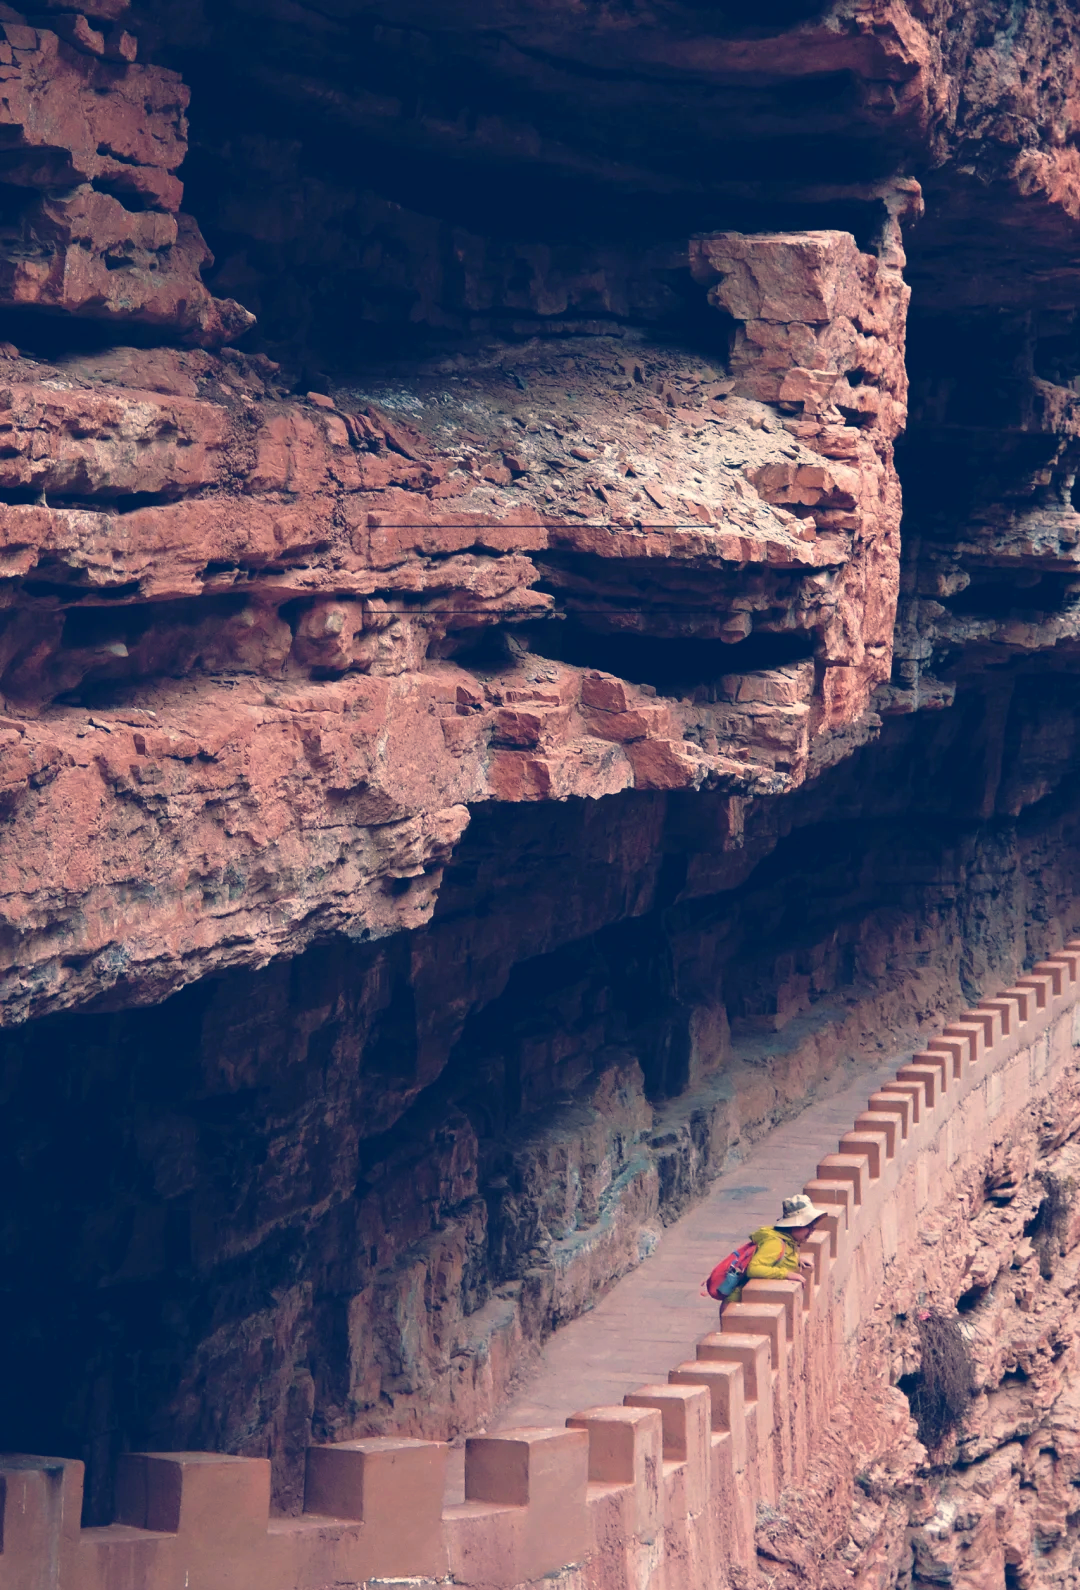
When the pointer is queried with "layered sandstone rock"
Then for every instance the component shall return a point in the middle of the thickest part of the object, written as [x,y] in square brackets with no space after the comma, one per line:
[463,700]
[293,544]
[92,142]
[821,332]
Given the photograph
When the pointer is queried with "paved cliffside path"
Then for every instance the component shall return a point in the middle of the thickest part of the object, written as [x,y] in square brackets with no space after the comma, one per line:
[653,1317]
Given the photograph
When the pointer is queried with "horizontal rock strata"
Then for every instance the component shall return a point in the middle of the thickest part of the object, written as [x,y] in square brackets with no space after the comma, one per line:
[327,541]
[479,746]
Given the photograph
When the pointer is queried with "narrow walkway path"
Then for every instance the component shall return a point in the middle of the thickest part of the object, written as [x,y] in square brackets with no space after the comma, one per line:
[651,1319]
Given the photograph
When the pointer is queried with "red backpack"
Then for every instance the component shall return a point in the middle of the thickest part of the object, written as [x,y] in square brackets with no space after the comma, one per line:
[730,1272]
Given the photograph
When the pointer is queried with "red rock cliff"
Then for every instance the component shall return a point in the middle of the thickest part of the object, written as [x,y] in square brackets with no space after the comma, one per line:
[480,743]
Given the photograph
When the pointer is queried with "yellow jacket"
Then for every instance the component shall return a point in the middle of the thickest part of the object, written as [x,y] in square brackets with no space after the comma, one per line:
[776,1256]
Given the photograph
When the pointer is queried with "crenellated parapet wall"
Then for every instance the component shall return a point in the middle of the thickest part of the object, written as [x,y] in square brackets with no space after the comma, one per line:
[667,1484]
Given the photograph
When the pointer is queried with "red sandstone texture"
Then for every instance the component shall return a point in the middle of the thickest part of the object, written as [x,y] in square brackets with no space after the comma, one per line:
[379,529]
[329,541]
[102,136]
[271,644]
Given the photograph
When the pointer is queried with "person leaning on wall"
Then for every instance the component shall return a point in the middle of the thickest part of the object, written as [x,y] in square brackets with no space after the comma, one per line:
[777,1256]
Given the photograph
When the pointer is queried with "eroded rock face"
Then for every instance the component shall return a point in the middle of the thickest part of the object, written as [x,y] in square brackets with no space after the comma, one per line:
[327,540]
[92,142]
[461,703]
[821,327]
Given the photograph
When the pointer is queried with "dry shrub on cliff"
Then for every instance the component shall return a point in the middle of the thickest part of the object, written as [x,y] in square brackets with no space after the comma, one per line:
[1050,1223]
[940,1393]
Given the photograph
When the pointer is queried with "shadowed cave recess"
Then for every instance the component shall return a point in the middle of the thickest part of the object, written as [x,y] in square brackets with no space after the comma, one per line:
[541,567]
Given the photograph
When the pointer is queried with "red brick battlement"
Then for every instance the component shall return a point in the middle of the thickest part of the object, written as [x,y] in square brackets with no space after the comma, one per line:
[668,1483]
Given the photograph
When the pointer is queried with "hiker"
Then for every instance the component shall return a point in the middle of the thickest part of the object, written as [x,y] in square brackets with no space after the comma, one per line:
[772,1254]
[777,1246]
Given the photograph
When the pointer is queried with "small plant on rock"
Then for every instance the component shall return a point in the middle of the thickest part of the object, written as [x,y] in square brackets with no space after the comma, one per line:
[941,1390]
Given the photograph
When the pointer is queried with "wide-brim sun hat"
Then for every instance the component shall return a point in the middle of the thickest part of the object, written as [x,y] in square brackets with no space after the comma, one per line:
[798,1211]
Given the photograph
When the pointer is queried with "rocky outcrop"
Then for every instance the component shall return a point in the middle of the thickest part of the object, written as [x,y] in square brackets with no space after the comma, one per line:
[594,562]
[447,807]
[92,142]
[827,342]
[261,805]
